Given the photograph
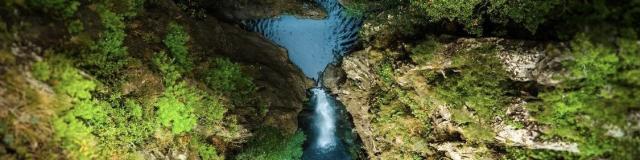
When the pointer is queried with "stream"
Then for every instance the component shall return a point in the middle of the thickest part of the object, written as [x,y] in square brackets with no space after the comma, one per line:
[312,45]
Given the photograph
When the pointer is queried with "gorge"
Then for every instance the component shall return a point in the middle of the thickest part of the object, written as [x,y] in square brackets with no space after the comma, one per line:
[312,44]
[319,79]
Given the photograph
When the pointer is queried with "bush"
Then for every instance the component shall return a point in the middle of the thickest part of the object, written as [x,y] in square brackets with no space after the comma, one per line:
[227,78]
[76,110]
[181,106]
[269,143]
[461,11]
[496,17]
[175,108]
[595,94]
[170,73]
[64,8]
[176,41]
[205,151]
[109,55]
[478,85]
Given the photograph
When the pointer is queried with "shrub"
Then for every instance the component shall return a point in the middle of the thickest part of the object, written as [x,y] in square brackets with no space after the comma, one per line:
[478,85]
[75,27]
[205,150]
[127,126]
[170,73]
[529,14]
[65,8]
[41,70]
[71,127]
[176,41]
[227,78]
[269,143]
[592,96]
[462,11]
[175,110]
[109,55]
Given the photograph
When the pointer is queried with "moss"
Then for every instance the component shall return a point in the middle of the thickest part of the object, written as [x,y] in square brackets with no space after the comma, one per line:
[590,98]
[424,52]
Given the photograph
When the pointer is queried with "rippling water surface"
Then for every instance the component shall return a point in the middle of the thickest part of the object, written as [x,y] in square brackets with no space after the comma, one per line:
[312,44]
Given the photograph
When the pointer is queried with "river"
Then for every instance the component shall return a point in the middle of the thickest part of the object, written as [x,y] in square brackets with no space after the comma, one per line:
[312,45]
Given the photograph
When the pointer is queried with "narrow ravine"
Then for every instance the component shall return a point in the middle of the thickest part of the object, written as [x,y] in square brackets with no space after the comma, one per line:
[312,45]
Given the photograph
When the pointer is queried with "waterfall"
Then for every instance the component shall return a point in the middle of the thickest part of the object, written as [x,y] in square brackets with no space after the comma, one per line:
[325,121]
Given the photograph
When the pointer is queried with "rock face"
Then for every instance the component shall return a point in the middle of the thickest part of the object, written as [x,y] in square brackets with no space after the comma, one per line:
[525,61]
[280,84]
[360,77]
[254,9]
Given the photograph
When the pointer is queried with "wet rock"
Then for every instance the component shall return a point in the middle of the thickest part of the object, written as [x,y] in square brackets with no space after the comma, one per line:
[333,76]
[354,94]
[460,151]
[255,9]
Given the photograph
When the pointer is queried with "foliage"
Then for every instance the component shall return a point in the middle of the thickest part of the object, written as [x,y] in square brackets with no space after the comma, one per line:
[269,143]
[386,73]
[71,128]
[170,72]
[179,101]
[41,70]
[530,14]
[424,52]
[109,55]
[205,150]
[128,125]
[175,108]
[75,27]
[65,8]
[25,114]
[176,41]
[461,11]
[92,112]
[526,154]
[595,94]
[478,85]
[126,8]
[496,17]
[227,78]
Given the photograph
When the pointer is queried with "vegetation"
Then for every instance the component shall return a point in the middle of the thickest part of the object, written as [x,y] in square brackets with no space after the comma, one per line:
[108,56]
[597,96]
[520,18]
[271,144]
[90,98]
[105,84]
[227,78]
[64,8]
[176,41]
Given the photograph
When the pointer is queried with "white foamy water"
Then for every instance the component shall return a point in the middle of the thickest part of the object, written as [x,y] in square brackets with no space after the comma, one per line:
[325,120]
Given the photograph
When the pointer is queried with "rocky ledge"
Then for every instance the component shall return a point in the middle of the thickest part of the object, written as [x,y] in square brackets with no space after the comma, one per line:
[358,83]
